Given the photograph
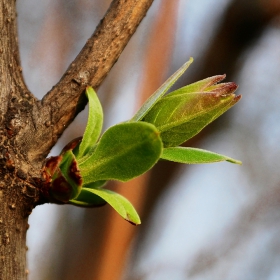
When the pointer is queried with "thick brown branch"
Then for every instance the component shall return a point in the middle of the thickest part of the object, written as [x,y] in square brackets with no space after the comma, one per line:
[91,66]
[16,198]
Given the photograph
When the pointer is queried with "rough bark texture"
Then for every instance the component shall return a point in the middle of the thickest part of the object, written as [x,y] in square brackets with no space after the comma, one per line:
[17,193]
[30,127]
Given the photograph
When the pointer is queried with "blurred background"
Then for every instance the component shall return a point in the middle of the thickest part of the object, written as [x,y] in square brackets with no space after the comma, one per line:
[217,221]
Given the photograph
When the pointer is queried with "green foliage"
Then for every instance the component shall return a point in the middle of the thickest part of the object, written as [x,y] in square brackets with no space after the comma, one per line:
[78,176]
[94,125]
[118,202]
[151,101]
[88,199]
[124,152]
[67,168]
[182,114]
[65,177]
[194,156]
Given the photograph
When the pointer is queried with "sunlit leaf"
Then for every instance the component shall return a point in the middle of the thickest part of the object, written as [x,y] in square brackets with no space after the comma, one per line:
[194,156]
[66,181]
[179,117]
[152,100]
[199,86]
[94,124]
[96,185]
[118,202]
[124,151]
[88,199]
[181,133]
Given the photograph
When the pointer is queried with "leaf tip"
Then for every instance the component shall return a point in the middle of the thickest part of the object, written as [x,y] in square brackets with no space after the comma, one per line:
[216,79]
[189,62]
[235,161]
[237,98]
[135,222]
[231,86]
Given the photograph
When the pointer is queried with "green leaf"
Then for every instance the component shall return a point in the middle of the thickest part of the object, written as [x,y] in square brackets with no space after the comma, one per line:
[71,173]
[179,117]
[181,133]
[118,202]
[194,156]
[124,151]
[66,181]
[96,185]
[151,101]
[94,124]
[199,86]
[88,199]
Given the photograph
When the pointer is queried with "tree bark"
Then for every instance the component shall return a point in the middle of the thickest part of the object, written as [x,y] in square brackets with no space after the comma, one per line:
[17,193]
[30,127]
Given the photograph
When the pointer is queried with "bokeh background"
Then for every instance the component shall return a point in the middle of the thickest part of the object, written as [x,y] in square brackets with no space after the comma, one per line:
[218,221]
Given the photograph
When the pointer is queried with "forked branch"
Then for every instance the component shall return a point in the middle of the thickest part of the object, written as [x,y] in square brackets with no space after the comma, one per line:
[67,99]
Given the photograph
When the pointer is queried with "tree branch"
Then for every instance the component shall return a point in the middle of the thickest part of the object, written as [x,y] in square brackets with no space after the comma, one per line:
[29,127]
[16,194]
[60,106]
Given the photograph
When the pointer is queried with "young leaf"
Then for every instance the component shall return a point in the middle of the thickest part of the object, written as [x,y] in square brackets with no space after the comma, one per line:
[66,181]
[96,185]
[194,156]
[151,101]
[94,124]
[71,173]
[118,202]
[199,86]
[88,199]
[181,133]
[181,116]
[124,151]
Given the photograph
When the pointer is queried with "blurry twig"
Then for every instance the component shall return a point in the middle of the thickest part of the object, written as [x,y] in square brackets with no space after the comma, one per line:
[258,215]
[240,27]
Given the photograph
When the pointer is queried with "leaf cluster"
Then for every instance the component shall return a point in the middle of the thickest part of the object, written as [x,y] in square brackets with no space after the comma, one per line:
[129,149]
